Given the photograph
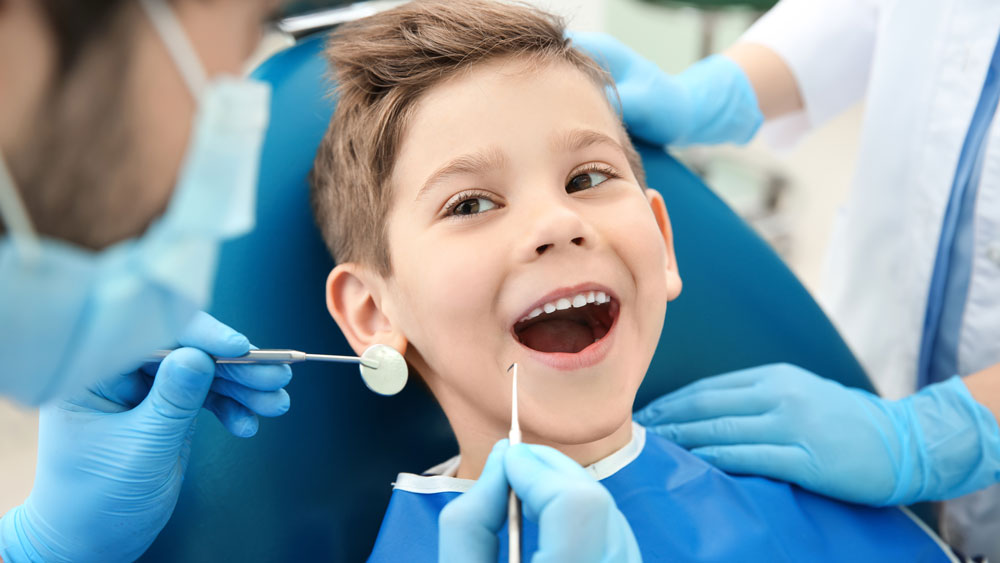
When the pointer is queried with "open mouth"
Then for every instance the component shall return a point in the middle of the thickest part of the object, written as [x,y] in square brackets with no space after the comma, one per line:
[568,324]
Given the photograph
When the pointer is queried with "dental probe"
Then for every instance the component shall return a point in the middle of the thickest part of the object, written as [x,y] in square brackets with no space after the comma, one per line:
[514,503]
[383,369]
[276,356]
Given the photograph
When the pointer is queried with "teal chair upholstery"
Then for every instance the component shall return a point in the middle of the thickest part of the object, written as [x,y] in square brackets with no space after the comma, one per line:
[312,485]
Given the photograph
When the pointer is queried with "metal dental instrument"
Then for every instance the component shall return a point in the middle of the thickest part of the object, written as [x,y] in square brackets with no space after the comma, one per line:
[383,369]
[514,503]
[276,357]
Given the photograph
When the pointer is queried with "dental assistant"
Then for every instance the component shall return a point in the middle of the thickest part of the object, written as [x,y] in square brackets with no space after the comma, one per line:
[913,277]
[128,153]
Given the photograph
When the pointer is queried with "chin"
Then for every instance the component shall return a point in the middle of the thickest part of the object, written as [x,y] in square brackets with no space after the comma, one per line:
[578,424]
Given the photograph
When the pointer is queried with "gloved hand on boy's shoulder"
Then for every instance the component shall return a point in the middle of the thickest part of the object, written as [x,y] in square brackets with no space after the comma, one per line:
[784,422]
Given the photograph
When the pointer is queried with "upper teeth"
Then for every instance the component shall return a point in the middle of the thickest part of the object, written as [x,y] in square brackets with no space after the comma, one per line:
[576,301]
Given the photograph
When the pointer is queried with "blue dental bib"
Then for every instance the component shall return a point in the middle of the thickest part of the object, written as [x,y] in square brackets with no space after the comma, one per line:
[683,509]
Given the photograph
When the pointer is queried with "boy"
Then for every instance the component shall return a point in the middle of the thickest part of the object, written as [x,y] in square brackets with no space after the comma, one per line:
[486,206]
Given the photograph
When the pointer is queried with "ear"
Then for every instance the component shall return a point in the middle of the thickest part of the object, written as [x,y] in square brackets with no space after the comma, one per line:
[353,297]
[663,221]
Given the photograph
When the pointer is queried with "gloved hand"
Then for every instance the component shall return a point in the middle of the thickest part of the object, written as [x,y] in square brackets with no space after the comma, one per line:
[711,102]
[111,459]
[577,518]
[784,422]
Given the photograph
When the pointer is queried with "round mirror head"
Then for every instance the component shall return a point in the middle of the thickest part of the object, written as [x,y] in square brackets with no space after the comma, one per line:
[390,376]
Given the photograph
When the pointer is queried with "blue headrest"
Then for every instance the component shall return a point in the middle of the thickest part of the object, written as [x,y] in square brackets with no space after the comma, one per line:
[314,483]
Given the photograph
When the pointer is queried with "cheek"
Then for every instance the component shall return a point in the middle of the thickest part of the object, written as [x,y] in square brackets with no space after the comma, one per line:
[24,33]
[640,246]
[451,321]
[164,117]
[453,284]
[639,243]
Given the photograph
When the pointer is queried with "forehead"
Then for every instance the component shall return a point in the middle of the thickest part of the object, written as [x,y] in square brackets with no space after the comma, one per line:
[510,105]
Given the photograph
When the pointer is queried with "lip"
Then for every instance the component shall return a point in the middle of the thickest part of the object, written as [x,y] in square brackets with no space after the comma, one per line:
[589,356]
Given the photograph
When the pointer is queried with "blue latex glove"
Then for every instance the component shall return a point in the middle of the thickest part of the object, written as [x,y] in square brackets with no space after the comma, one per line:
[111,459]
[577,518]
[711,102]
[784,422]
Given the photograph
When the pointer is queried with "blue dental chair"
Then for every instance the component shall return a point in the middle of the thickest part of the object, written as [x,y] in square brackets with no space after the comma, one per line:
[313,484]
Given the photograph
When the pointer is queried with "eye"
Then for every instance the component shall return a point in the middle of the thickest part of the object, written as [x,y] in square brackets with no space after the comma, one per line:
[473,205]
[588,179]
[464,205]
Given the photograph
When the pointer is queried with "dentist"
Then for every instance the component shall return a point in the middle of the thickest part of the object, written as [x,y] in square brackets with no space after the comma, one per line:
[129,149]
[124,130]
[914,270]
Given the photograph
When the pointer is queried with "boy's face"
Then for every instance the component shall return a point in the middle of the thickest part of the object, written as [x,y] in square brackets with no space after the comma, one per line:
[511,191]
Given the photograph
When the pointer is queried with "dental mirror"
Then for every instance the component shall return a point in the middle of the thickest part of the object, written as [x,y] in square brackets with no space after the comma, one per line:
[391,374]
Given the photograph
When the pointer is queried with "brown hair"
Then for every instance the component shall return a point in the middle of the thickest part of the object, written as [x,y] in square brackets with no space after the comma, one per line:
[76,23]
[382,65]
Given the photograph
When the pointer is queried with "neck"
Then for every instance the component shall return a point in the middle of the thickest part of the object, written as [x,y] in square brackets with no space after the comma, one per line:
[475,444]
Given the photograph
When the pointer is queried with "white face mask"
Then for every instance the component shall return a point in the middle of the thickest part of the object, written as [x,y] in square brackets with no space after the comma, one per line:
[68,315]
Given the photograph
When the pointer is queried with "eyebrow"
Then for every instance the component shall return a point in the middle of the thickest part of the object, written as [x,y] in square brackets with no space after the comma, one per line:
[579,139]
[491,158]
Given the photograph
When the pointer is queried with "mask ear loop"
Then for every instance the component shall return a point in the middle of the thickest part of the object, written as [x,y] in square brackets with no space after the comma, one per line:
[178,45]
[14,215]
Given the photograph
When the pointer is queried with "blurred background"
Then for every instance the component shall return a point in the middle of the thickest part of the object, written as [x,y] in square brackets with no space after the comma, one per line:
[790,197]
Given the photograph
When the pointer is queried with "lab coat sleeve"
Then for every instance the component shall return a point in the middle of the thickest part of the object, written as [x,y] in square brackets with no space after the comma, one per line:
[828,45]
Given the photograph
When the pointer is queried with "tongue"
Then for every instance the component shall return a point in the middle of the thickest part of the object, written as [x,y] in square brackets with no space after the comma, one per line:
[557,335]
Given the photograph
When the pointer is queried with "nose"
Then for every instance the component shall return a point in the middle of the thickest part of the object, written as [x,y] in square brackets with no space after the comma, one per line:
[554,227]
[578,241]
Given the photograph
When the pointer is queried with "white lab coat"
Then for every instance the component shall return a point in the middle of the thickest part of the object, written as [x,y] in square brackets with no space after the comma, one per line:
[920,66]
